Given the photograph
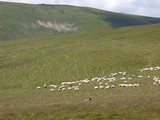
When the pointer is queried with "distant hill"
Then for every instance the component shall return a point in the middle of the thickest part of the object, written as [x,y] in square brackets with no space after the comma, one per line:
[19,21]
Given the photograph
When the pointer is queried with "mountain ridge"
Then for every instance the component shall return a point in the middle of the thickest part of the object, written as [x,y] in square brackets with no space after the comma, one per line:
[19,20]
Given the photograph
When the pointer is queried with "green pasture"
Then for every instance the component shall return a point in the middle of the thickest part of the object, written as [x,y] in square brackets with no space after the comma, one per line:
[28,63]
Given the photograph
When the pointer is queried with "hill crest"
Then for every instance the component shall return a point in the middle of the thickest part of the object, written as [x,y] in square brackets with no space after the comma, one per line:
[27,21]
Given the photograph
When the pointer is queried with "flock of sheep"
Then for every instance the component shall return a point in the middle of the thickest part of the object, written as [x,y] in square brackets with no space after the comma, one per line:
[119,79]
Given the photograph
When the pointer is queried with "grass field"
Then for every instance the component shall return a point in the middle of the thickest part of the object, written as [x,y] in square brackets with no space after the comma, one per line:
[26,64]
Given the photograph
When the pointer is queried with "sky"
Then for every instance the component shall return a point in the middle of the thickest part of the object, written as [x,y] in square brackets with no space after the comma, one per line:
[138,7]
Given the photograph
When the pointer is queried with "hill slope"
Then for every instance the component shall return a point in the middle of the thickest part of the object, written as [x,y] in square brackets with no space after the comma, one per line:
[27,21]
[26,64]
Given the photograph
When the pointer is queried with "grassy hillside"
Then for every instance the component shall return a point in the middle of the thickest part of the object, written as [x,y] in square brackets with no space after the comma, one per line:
[28,21]
[26,64]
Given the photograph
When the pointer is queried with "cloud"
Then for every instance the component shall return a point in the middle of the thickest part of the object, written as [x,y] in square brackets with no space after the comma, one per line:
[139,7]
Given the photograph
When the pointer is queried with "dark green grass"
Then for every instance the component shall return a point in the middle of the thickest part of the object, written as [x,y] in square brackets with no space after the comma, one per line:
[26,64]
[16,20]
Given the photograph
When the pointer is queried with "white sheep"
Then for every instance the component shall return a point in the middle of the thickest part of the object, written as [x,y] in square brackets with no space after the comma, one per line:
[129,85]
[106,84]
[107,87]
[123,85]
[113,86]
[52,90]
[140,76]
[63,83]
[96,87]
[79,84]
[99,79]
[112,79]
[123,78]
[100,83]
[159,81]
[101,87]
[154,83]
[93,79]
[75,88]
[120,85]
[63,89]
[69,88]
[54,86]
[124,73]
[120,72]
[45,86]
[135,85]
[129,78]
[38,87]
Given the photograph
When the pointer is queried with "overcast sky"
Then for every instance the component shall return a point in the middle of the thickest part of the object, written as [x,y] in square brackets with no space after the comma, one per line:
[139,7]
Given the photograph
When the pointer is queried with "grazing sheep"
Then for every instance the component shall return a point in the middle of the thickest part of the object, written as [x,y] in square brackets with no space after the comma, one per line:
[101,87]
[151,69]
[121,85]
[63,89]
[63,83]
[112,80]
[99,79]
[157,80]
[69,88]
[113,86]
[113,74]
[75,88]
[135,85]
[79,84]
[157,68]
[123,78]
[45,86]
[88,99]
[107,81]
[62,86]
[38,87]
[96,87]
[54,86]
[140,76]
[154,83]
[52,90]
[129,78]
[128,85]
[51,85]
[141,70]
[107,87]
[124,73]
[120,72]
[100,83]
[106,84]
[93,79]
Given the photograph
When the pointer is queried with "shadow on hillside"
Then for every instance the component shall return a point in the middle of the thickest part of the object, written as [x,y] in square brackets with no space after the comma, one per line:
[122,20]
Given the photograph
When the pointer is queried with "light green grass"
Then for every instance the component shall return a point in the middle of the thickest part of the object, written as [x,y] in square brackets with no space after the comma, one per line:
[26,64]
